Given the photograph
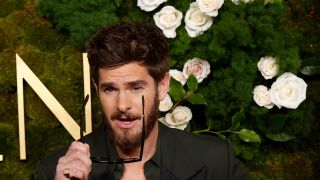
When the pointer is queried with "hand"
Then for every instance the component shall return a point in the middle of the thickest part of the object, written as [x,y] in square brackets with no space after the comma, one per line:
[75,164]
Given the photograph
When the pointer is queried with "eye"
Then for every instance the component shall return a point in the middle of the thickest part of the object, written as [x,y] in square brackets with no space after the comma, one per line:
[109,89]
[137,88]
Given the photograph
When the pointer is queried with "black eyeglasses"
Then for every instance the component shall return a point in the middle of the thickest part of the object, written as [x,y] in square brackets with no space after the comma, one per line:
[108,160]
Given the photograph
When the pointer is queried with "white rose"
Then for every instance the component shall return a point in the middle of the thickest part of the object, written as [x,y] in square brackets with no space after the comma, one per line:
[162,119]
[288,91]
[261,96]
[168,19]
[268,67]
[149,5]
[210,7]
[178,75]
[196,22]
[165,104]
[198,67]
[169,118]
[237,2]
[179,118]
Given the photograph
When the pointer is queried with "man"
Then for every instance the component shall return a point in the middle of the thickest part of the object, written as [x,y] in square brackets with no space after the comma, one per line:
[129,65]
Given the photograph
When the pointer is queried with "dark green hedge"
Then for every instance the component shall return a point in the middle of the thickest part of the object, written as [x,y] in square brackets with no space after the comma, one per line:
[50,37]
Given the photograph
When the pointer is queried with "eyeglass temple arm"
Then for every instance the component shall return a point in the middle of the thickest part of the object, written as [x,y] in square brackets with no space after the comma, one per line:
[82,122]
[143,129]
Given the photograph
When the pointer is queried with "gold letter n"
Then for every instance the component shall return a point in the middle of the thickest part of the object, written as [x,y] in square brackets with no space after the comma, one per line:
[25,73]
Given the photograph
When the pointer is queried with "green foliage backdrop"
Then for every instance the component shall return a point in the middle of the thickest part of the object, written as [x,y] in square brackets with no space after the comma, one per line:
[51,35]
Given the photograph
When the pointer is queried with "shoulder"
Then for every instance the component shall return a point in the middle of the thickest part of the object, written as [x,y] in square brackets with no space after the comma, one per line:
[199,147]
[190,140]
[207,150]
[214,154]
[200,140]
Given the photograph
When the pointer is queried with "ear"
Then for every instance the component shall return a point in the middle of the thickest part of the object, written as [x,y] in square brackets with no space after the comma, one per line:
[163,86]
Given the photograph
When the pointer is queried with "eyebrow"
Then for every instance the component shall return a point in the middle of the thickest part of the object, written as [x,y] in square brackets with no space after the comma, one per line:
[127,84]
[136,83]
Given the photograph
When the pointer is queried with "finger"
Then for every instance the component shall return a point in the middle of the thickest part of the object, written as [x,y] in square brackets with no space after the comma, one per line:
[71,169]
[80,151]
[86,160]
[77,157]
[78,146]
[74,161]
[78,164]
[76,173]
[83,157]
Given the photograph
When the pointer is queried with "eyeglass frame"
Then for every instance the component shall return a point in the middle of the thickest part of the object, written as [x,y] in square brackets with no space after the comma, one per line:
[119,160]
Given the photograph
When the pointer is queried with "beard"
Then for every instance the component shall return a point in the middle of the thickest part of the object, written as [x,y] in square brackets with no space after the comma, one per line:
[124,138]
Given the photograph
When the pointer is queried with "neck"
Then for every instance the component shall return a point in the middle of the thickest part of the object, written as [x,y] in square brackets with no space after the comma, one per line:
[150,145]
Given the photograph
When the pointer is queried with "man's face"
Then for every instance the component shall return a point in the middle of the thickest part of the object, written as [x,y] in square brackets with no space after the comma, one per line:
[120,91]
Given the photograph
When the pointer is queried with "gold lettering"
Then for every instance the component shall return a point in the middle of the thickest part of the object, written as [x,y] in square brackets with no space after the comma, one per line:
[87,90]
[25,73]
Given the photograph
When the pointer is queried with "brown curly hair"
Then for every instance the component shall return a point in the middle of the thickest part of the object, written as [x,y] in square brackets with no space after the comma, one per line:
[128,42]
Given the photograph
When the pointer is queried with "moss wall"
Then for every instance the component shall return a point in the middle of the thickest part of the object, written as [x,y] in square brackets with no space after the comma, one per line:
[54,55]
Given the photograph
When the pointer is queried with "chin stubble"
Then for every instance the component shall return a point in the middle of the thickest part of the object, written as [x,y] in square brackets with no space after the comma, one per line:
[127,141]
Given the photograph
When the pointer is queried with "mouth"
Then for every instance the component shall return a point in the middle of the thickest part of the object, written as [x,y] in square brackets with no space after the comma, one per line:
[125,123]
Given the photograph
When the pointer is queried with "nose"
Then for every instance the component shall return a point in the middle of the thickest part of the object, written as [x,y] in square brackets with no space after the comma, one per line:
[124,102]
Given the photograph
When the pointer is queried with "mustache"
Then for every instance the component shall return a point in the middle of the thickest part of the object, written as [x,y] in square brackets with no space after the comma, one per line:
[124,115]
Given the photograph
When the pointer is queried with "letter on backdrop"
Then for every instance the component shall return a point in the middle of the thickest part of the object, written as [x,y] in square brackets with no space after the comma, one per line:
[25,73]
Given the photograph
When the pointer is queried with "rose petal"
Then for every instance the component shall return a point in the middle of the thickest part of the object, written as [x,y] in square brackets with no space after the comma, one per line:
[149,5]
[196,22]
[288,91]
[210,7]
[168,19]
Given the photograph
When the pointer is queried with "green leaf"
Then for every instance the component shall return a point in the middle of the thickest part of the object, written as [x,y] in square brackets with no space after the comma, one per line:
[210,124]
[249,136]
[236,118]
[176,90]
[221,136]
[247,155]
[118,2]
[280,137]
[248,152]
[192,83]
[237,148]
[197,98]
